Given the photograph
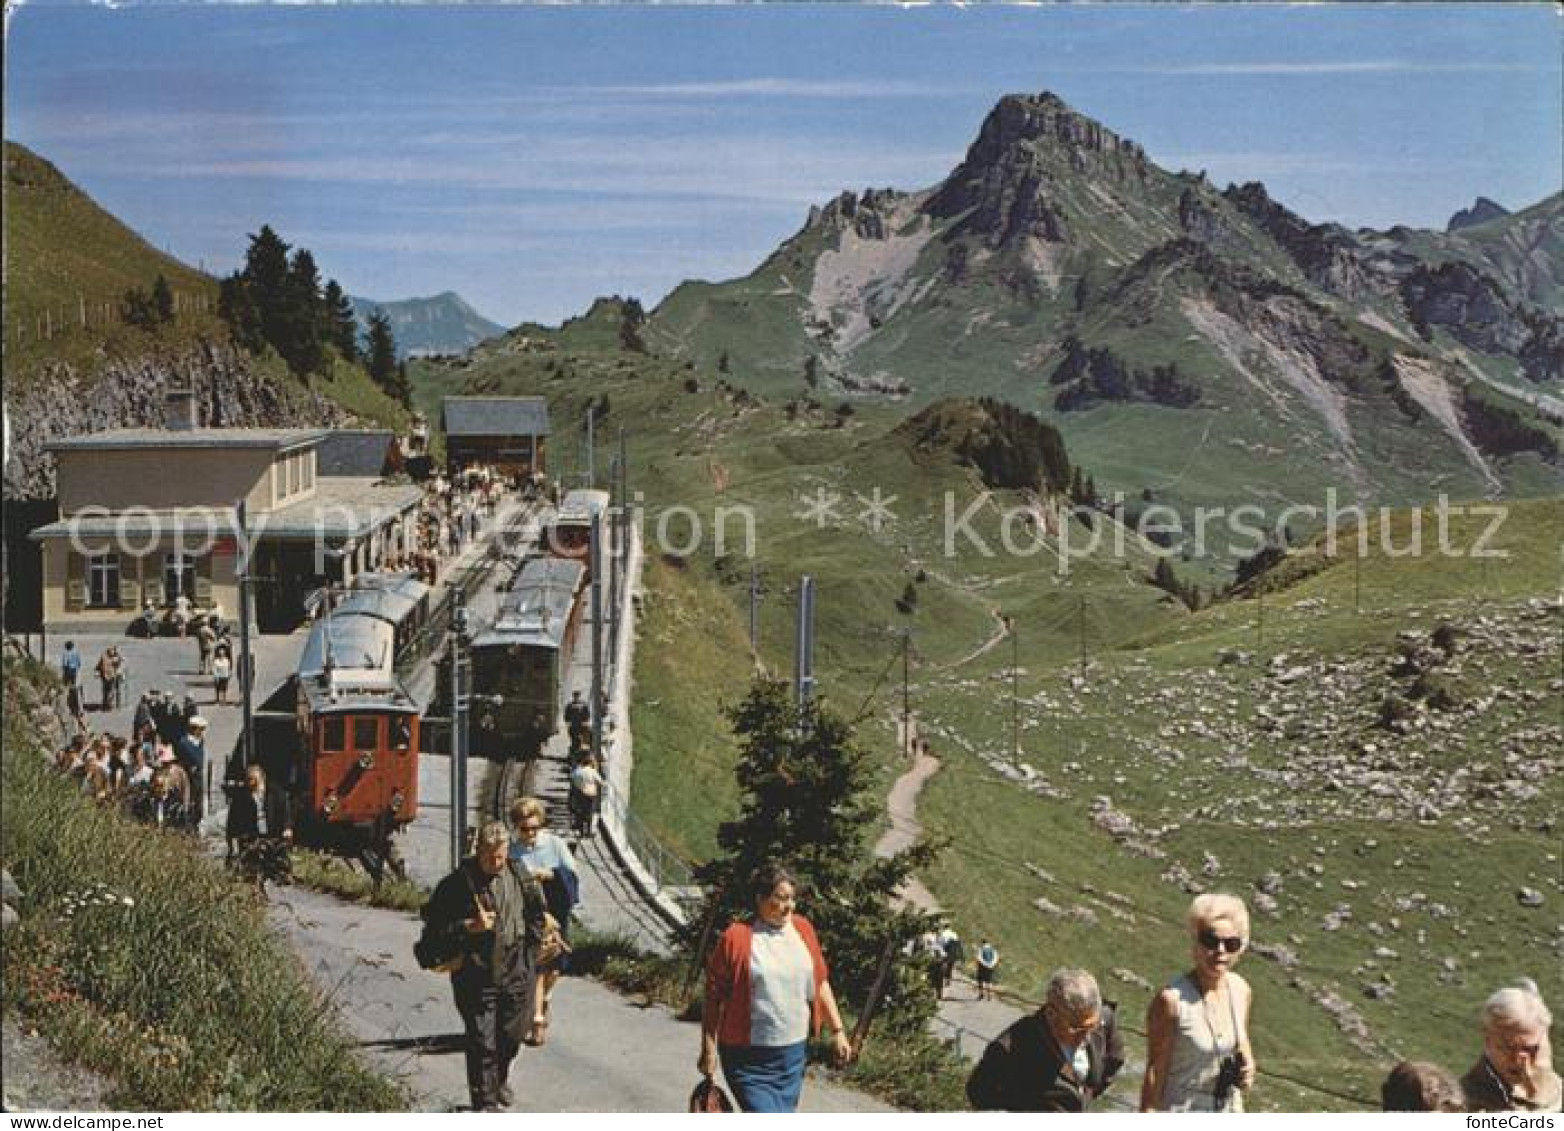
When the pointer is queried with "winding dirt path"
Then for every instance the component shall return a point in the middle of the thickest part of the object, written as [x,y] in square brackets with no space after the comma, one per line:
[1000,633]
[902,807]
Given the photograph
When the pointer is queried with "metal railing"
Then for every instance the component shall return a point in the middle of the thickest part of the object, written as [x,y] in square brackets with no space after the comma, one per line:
[670,874]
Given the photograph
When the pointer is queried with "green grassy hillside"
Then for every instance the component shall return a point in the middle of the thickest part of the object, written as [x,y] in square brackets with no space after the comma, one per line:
[67,260]
[140,957]
[1308,748]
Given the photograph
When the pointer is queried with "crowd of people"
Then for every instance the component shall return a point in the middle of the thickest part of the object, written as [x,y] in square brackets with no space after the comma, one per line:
[156,773]
[450,515]
[1199,1057]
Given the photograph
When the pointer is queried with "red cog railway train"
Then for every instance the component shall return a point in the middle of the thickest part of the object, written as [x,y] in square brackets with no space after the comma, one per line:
[357,728]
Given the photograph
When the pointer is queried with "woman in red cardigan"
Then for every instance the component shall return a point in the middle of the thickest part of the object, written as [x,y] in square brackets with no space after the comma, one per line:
[767,989]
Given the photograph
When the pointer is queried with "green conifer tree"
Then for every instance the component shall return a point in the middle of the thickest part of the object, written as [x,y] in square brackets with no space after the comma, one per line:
[808,800]
[381,352]
[162,299]
[236,307]
[266,275]
[341,322]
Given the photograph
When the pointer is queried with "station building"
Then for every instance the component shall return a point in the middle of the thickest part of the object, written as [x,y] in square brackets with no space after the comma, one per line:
[509,434]
[147,515]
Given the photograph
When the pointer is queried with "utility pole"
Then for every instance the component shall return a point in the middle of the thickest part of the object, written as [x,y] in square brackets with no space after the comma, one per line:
[458,728]
[1357,581]
[246,660]
[754,611]
[621,539]
[591,452]
[595,557]
[1015,689]
[612,535]
[906,692]
[1082,619]
[804,661]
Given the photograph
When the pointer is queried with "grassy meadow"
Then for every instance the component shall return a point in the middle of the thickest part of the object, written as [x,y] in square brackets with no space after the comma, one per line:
[1149,751]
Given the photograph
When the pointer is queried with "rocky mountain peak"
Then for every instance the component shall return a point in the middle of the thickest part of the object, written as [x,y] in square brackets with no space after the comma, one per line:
[1018,119]
[1481,211]
[1027,143]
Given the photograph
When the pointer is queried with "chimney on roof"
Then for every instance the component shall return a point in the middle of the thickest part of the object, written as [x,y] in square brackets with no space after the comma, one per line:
[180,409]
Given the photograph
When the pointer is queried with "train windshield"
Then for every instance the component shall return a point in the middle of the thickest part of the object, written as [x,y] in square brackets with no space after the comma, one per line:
[508,670]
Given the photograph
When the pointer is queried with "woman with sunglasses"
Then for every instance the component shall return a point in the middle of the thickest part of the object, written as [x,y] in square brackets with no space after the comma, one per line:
[1198,1056]
[547,858]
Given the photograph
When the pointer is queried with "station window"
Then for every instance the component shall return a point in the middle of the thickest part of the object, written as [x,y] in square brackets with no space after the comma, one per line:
[103,581]
[179,573]
[366,733]
[334,733]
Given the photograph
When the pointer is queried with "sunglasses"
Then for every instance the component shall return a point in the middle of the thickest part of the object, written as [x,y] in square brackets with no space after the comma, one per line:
[1213,941]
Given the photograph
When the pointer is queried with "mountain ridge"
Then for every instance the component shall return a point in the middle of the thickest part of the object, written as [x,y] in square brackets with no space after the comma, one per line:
[1279,333]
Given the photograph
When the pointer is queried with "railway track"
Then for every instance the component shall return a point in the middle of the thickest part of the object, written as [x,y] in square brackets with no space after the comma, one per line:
[611,902]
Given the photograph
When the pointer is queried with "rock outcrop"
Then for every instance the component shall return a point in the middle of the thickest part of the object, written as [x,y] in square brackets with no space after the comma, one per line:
[1326,253]
[230,391]
[1475,310]
[1481,211]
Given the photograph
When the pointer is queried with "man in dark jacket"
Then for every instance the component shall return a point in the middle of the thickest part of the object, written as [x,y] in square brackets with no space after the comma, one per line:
[261,829]
[578,720]
[490,914]
[1058,1059]
[190,749]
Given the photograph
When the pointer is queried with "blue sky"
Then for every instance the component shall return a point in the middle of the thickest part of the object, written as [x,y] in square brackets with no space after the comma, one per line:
[531,158]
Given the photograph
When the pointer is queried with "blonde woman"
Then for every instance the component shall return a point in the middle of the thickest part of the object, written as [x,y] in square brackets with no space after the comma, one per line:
[1198,1056]
[546,857]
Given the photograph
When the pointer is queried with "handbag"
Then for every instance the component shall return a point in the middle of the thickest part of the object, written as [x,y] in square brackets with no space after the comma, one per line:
[709,1099]
[552,945]
[443,952]
[440,953]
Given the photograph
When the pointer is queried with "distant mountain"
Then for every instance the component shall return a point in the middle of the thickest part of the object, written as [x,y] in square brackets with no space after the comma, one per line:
[1480,212]
[424,327]
[1207,342]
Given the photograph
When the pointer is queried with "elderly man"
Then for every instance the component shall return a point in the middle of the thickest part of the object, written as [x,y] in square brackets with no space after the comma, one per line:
[1516,1069]
[1058,1059]
[489,913]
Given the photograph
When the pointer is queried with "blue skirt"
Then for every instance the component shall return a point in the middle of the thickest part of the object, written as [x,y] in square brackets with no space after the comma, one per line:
[762,1078]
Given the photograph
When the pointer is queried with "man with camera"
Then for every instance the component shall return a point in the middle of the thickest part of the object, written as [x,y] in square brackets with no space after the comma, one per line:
[482,925]
[1058,1059]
